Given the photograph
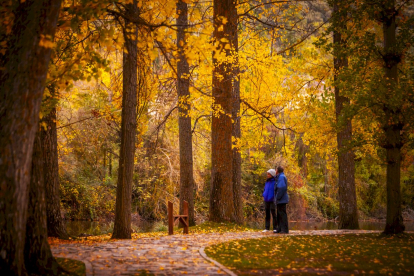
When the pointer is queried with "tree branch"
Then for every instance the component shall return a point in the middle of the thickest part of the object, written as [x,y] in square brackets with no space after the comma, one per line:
[264,116]
[196,121]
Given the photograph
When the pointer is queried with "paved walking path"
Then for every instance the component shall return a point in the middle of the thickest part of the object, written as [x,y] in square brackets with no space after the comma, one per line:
[166,255]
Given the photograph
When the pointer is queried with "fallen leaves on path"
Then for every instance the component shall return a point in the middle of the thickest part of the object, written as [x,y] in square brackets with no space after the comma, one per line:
[104,238]
[205,228]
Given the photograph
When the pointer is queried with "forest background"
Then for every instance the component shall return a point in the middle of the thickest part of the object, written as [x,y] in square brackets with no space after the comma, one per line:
[287,112]
[145,102]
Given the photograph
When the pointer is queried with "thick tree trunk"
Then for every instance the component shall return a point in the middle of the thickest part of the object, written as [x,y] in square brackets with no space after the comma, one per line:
[38,257]
[394,223]
[184,119]
[237,182]
[348,211]
[55,224]
[122,224]
[392,125]
[221,196]
[236,132]
[22,81]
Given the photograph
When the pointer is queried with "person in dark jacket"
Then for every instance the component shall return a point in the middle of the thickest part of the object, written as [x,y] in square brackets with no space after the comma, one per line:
[281,199]
[268,196]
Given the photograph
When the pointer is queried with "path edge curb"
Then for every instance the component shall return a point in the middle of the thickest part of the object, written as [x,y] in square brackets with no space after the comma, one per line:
[88,268]
[222,267]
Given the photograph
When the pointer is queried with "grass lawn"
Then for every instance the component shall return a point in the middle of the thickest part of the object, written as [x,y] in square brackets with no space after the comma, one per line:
[312,255]
[74,267]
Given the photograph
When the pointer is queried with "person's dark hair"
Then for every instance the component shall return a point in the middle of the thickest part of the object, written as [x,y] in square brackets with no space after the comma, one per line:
[279,169]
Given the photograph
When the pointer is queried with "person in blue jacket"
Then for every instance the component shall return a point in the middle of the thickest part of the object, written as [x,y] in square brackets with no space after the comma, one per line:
[281,198]
[268,196]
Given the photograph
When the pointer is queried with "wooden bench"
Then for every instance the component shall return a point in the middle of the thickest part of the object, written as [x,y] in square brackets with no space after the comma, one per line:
[183,219]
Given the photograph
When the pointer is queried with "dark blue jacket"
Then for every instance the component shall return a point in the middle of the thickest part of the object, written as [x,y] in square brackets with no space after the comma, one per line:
[269,190]
[281,195]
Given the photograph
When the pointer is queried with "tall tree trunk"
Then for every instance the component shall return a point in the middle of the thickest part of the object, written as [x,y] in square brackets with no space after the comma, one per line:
[55,224]
[38,257]
[325,177]
[104,163]
[348,211]
[302,159]
[237,160]
[236,132]
[122,224]
[184,119]
[22,82]
[110,164]
[392,125]
[221,197]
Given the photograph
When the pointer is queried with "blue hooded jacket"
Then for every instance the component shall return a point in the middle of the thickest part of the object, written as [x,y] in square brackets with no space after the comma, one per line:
[269,190]
[281,195]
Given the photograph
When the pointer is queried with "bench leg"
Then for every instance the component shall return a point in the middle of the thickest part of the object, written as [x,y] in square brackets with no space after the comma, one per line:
[170,218]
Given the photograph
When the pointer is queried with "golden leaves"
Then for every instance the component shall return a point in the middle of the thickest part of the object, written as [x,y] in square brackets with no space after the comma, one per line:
[46,41]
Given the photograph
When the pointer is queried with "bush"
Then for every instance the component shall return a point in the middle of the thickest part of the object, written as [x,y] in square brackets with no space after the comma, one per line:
[84,199]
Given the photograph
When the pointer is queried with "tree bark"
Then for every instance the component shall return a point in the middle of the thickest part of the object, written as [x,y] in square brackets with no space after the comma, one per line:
[22,82]
[55,224]
[221,196]
[110,164]
[325,178]
[302,159]
[104,164]
[348,211]
[122,224]
[184,119]
[392,124]
[236,132]
[38,257]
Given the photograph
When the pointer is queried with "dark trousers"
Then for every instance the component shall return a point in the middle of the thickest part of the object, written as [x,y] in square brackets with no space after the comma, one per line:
[282,219]
[270,208]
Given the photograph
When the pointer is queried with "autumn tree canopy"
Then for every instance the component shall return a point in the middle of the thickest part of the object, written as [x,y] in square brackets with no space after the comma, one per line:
[136,103]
